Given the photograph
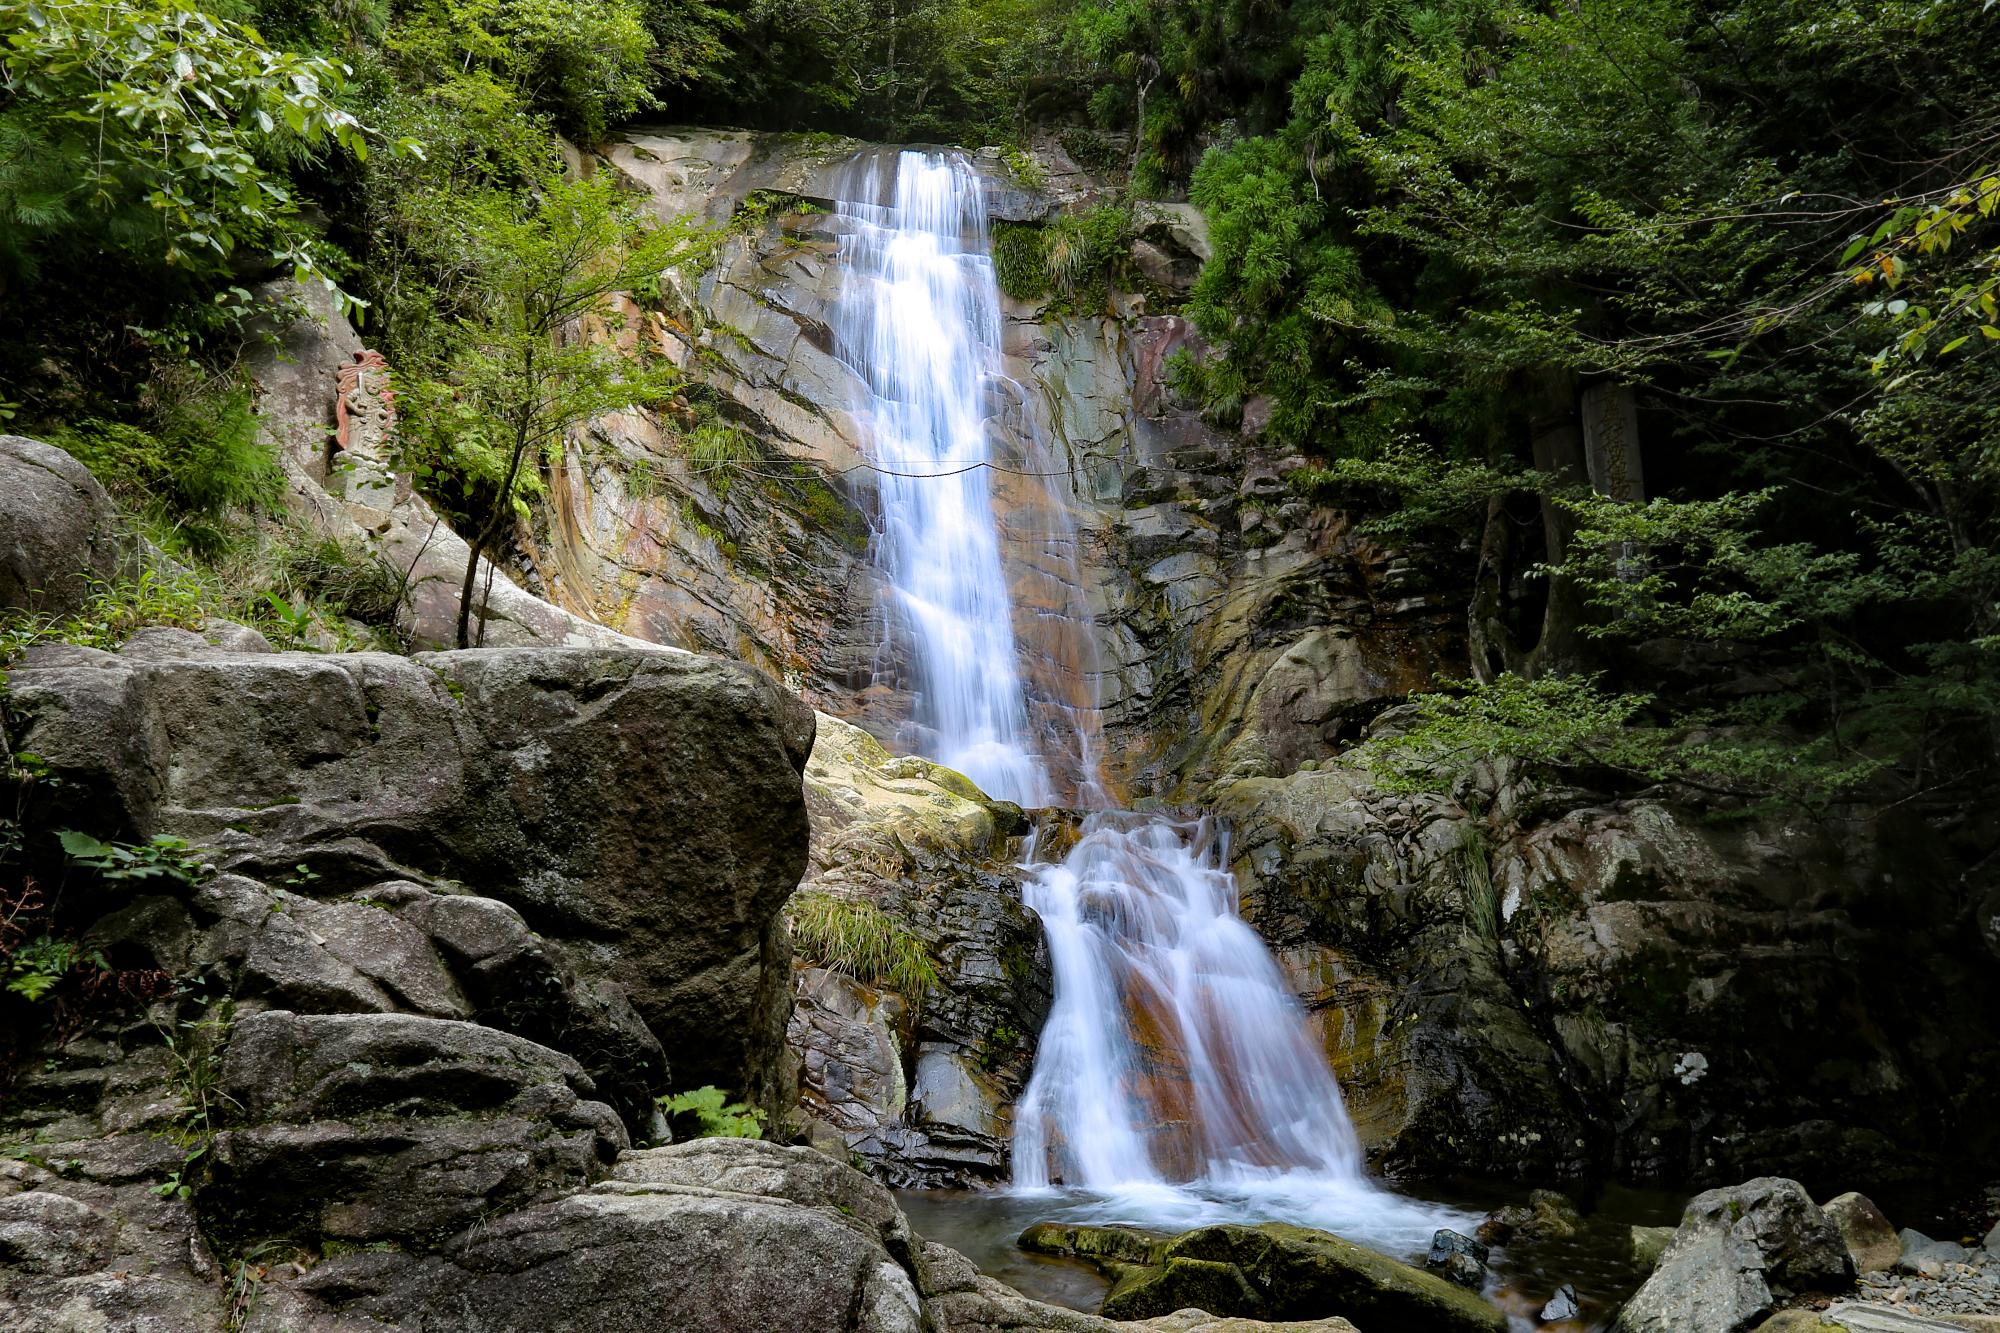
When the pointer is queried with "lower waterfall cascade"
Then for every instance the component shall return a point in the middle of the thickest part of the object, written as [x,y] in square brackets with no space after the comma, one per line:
[1177,1079]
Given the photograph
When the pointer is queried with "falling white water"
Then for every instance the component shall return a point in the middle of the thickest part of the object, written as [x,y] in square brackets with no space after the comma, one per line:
[919,320]
[1177,1079]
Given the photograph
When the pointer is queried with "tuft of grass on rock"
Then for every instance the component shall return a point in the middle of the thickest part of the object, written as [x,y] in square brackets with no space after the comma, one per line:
[861,940]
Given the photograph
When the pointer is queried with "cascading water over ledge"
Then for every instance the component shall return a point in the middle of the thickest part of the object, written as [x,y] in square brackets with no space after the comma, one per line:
[1177,1079]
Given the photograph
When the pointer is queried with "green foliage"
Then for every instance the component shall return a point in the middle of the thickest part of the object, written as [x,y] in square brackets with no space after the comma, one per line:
[342,577]
[891,69]
[584,65]
[716,451]
[1573,727]
[34,968]
[717,1117]
[1430,493]
[155,127]
[200,458]
[1018,263]
[1076,258]
[1554,723]
[1928,227]
[1022,166]
[114,612]
[1459,216]
[162,857]
[515,385]
[862,940]
[38,966]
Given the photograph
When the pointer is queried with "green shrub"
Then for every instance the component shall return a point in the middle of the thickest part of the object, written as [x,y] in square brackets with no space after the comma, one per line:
[115,612]
[717,1117]
[200,457]
[1076,258]
[1085,254]
[863,941]
[1021,164]
[127,461]
[344,578]
[1018,265]
[715,450]
[217,455]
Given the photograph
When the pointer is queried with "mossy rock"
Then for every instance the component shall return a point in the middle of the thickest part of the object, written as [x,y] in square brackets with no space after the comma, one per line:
[1272,1271]
[1305,1274]
[1181,1284]
[1097,1245]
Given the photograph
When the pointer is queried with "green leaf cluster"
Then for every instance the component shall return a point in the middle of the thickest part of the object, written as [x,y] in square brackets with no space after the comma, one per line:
[157,127]
[715,1115]
[163,856]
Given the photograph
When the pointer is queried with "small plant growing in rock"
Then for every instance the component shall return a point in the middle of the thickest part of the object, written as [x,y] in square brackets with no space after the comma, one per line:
[860,939]
[161,857]
[195,1046]
[717,1116]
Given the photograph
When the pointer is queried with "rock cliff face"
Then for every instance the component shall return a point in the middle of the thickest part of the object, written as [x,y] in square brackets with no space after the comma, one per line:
[1166,580]
[1538,982]
[1525,981]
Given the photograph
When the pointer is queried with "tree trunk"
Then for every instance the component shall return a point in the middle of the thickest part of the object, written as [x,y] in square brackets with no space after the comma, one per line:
[1490,645]
[1557,442]
[1139,121]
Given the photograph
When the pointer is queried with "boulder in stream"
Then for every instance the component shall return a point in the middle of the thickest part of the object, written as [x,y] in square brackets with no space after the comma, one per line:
[1871,1241]
[1736,1254]
[1269,1271]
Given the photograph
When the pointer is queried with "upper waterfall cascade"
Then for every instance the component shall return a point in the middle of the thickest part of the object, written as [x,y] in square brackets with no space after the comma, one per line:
[1176,1073]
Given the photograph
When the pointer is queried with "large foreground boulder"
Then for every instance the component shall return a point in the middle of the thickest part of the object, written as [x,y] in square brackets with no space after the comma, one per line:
[639,810]
[1736,1255]
[1271,1271]
[393,1127]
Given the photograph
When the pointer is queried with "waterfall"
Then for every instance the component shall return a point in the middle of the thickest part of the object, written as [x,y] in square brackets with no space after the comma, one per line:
[919,321]
[1177,1077]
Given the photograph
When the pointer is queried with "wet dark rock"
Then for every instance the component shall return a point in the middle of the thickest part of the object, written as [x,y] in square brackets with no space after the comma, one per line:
[1553,989]
[374,1127]
[1548,1215]
[1457,1258]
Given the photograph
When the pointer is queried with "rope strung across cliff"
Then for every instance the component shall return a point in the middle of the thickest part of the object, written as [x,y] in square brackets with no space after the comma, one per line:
[748,471]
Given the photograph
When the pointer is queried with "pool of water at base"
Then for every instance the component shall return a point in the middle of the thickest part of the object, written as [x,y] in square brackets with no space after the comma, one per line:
[1597,1261]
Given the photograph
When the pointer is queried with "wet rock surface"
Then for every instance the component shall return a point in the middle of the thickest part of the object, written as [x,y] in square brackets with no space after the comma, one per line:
[1555,985]
[920,1086]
